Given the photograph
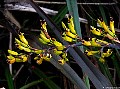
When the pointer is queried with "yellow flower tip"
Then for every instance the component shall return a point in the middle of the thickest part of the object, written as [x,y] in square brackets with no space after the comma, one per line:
[86,51]
[66,59]
[61,61]
[102,60]
[11,61]
[39,61]
[10,57]
[21,34]
[37,51]
[25,58]
[12,52]
[86,43]
[36,58]
[47,59]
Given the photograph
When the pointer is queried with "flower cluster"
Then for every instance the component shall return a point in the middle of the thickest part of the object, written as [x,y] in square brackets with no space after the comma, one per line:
[58,48]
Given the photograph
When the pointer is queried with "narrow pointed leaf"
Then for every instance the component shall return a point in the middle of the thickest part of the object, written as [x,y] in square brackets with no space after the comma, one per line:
[73,10]
[34,83]
[116,65]
[86,80]
[102,13]
[105,69]
[48,82]
[9,79]
[60,15]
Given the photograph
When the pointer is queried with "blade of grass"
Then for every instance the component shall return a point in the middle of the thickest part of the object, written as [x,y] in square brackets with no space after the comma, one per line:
[35,83]
[116,65]
[102,13]
[60,15]
[6,23]
[106,72]
[9,79]
[48,82]
[73,10]
[118,55]
[86,80]
[98,80]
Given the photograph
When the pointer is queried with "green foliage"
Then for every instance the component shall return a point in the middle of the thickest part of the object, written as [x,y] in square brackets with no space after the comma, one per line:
[35,83]
[46,80]
[9,78]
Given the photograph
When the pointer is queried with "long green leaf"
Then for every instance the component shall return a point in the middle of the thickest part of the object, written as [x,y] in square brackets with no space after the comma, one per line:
[34,83]
[60,15]
[9,26]
[105,70]
[48,82]
[71,73]
[9,79]
[116,65]
[73,10]
[103,13]
[86,80]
